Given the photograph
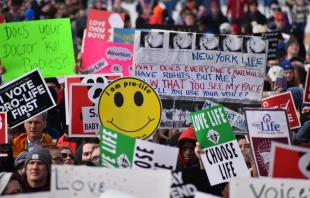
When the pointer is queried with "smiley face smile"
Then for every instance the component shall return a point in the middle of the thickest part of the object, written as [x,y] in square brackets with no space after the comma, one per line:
[150,120]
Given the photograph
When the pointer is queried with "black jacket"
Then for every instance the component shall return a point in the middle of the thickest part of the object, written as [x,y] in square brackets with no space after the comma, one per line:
[257,16]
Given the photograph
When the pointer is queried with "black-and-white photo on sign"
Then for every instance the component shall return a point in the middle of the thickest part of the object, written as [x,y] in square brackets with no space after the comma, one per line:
[25,97]
[207,42]
[152,39]
[180,40]
[255,45]
[230,43]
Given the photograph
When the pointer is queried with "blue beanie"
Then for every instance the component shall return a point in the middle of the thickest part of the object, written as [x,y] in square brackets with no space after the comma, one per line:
[286,65]
[29,14]
[303,105]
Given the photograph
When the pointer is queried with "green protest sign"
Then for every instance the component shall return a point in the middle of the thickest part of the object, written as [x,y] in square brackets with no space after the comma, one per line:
[43,44]
[120,151]
[222,158]
[212,126]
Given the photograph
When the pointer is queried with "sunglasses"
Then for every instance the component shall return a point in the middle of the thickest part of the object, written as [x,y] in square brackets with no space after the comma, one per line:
[65,155]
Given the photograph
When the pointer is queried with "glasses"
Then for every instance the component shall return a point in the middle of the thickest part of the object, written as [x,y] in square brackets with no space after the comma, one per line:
[65,155]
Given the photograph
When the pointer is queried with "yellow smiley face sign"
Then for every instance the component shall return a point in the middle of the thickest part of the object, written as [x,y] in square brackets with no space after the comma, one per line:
[130,106]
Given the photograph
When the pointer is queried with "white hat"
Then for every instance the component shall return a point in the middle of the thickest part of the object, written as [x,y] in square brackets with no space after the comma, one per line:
[275,72]
[4,180]
[225,28]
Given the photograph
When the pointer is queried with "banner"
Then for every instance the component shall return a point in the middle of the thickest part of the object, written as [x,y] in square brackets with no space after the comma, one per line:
[298,166]
[265,126]
[121,151]
[3,128]
[283,101]
[186,183]
[91,182]
[235,119]
[43,44]
[105,79]
[223,159]
[171,27]
[130,106]
[100,24]
[31,195]
[272,38]
[84,120]
[25,97]
[307,89]
[201,65]
[107,57]
[265,187]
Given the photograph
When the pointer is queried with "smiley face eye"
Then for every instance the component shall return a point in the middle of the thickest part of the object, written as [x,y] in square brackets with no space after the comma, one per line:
[138,98]
[118,99]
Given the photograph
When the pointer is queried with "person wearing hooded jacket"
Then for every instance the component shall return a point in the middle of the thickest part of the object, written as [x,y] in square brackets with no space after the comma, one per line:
[189,160]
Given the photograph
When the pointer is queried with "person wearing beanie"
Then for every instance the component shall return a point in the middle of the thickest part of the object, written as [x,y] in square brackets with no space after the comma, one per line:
[38,170]
[235,30]
[157,16]
[254,14]
[292,48]
[289,73]
[20,162]
[33,137]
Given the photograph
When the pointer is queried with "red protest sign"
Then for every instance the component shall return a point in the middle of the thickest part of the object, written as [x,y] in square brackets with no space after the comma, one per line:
[100,24]
[297,162]
[3,128]
[94,78]
[283,101]
[84,119]
[307,89]
[2,19]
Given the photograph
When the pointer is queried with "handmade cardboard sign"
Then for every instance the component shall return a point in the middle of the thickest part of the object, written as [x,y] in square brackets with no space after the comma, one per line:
[44,44]
[91,182]
[107,57]
[121,151]
[84,120]
[130,106]
[25,97]
[265,126]
[283,101]
[100,24]
[235,119]
[223,159]
[103,79]
[3,128]
[265,187]
[124,35]
[298,166]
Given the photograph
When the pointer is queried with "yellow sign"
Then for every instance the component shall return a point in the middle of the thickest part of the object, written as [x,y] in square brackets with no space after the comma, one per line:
[130,106]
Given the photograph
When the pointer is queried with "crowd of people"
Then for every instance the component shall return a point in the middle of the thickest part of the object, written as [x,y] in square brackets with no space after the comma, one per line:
[34,145]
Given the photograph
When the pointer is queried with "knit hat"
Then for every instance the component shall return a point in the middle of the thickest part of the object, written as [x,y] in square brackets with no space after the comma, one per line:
[158,10]
[275,72]
[42,154]
[20,160]
[235,28]
[279,16]
[4,180]
[286,65]
[290,42]
[225,28]
[29,14]
[271,27]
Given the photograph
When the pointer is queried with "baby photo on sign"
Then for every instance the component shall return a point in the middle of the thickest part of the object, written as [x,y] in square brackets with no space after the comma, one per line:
[152,39]
[254,45]
[207,42]
[180,40]
[230,43]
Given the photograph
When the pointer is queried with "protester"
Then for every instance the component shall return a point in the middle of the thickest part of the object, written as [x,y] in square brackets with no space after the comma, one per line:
[33,137]
[9,183]
[216,18]
[292,48]
[236,8]
[67,155]
[87,149]
[243,144]
[95,156]
[289,73]
[20,162]
[38,170]
[300,12]
[54,152]
[254,14]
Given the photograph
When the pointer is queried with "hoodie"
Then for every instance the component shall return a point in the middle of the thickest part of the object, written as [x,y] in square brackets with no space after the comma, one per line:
[187,134]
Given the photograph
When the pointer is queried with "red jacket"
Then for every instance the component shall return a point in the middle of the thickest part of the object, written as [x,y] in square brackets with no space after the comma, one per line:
[187,134]
[236,7]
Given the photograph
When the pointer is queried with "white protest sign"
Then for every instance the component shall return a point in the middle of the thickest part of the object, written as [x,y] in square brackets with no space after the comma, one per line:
[265,126]
[91,182]
[116,194]
[201,65]
[235,119]
[32,195]
[204,195]
[268,188]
